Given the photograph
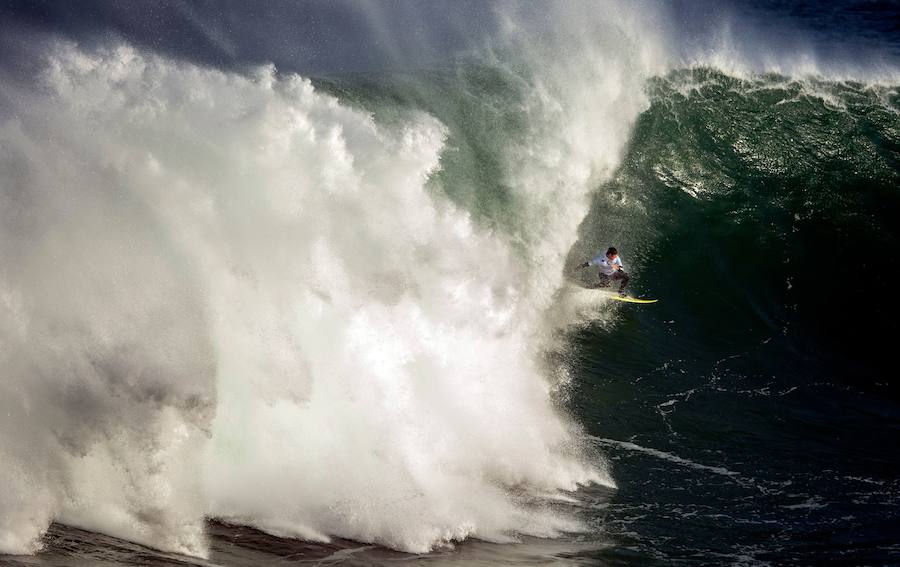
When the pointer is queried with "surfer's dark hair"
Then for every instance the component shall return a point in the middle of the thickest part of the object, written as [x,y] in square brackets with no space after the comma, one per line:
[611,250]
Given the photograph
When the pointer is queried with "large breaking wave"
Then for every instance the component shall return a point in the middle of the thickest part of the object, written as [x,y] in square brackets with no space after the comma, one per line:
[237,296]
[231,296]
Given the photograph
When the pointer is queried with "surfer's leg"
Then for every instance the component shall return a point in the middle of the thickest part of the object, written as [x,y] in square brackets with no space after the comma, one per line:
[623,277]
[604,280]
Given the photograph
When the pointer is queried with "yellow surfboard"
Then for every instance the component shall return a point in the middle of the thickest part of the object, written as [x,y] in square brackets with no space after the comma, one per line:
[626,299]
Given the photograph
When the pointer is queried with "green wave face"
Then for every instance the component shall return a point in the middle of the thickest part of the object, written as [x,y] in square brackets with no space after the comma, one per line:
[709,134]
[762,206]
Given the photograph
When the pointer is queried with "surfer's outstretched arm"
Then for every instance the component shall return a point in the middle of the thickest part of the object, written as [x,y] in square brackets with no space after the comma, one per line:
[593,262]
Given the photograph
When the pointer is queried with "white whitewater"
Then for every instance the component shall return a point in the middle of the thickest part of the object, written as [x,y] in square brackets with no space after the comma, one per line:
[231,296]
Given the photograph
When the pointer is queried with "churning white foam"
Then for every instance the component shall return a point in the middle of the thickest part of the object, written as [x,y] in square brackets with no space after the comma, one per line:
[234,297]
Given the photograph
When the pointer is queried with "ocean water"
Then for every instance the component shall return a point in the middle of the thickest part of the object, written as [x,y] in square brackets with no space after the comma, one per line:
[298,283]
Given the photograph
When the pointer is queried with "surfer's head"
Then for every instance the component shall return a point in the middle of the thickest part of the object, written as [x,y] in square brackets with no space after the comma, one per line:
[611,252]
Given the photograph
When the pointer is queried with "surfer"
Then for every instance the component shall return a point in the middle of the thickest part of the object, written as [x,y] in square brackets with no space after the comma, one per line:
[611,269]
